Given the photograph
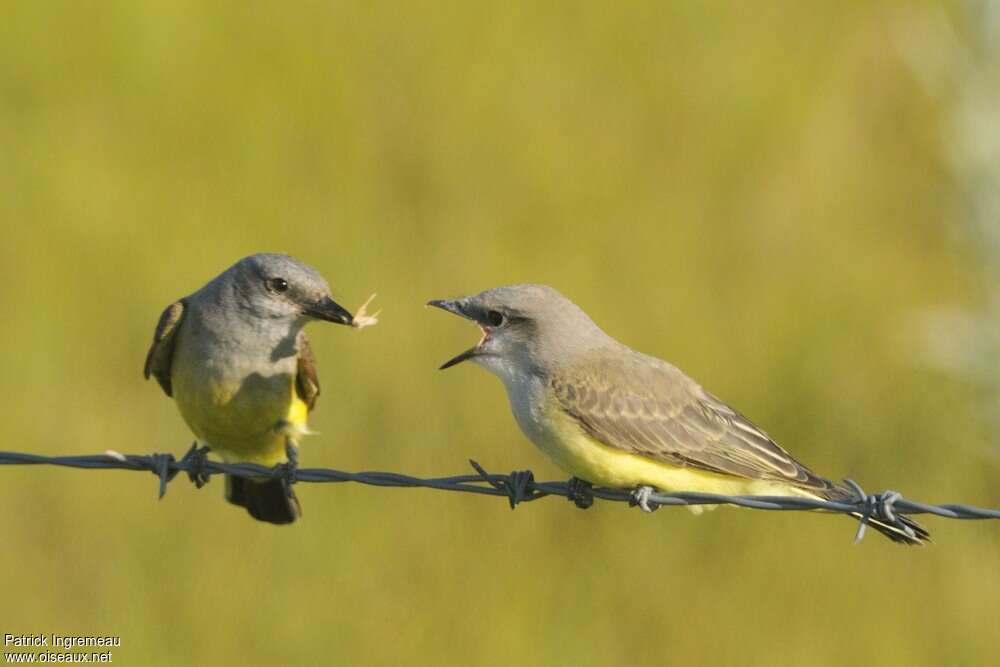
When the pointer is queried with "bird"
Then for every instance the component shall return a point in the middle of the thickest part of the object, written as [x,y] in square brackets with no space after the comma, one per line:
[611,416]
[236,360]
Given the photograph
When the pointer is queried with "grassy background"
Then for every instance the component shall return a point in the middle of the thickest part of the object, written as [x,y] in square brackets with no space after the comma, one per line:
[756,194]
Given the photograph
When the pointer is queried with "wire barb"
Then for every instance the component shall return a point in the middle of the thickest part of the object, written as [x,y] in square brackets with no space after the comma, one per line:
[880,506]
[641,497]
[161,467]
[518,487]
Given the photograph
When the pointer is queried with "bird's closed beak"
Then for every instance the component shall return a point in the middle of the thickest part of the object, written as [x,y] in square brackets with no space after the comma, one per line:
[456,307]
[329,310]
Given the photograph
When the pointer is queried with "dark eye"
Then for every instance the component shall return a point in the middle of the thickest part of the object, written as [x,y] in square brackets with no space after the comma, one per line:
[278,284]
[494,318]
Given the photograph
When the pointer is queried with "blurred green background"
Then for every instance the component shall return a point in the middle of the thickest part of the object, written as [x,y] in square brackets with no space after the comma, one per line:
[760,194]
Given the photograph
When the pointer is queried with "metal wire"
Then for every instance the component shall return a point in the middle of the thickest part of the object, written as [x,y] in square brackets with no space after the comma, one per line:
[517,487]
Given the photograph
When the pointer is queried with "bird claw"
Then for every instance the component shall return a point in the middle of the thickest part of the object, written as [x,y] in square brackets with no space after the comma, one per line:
[197,457]
[288,471]
[640,498]
[578,492]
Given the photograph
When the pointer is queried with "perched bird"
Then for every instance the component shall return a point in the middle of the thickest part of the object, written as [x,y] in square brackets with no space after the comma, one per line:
[234,357]
[614,417]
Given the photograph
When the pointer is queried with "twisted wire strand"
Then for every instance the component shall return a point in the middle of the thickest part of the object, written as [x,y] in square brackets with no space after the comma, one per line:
[517,487]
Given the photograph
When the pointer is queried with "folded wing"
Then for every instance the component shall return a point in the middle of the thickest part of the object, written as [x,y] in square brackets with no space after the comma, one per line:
[647,407]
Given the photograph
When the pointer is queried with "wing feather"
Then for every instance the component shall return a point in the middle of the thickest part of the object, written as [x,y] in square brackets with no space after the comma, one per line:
[161,352]
[645,406]
[307,378]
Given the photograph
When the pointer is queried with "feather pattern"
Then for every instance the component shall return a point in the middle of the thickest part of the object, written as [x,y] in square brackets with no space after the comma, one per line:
[307,378]
[645,406]
[161,352]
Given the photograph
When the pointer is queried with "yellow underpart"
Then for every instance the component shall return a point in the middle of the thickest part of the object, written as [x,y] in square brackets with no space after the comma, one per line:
[248,423]
[298,413]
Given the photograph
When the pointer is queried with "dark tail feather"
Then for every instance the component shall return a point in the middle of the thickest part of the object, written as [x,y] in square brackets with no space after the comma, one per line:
[897,533]
[265,501]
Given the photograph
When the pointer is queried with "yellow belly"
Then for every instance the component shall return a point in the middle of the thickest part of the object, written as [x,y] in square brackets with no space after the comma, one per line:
[250,422]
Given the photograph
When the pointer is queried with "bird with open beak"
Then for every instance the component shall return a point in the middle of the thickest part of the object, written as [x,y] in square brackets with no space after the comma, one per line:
[612,416]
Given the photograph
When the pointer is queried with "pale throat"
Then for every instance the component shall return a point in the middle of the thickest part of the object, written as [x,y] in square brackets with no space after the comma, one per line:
[526,392]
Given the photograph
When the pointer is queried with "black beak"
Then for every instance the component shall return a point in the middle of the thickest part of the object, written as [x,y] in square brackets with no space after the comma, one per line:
[468,354]
[455,307]
[329,310]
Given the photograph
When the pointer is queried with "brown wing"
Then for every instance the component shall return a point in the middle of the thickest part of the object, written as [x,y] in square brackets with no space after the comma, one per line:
[161,352]
[306,380]
[646,406]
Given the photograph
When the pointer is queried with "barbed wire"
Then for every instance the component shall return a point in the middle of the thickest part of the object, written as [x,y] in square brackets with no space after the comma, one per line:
[518,486]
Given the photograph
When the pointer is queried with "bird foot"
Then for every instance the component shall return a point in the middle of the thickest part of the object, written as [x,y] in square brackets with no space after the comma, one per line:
[578,492]
[640,498]
[197,457]
[288,471]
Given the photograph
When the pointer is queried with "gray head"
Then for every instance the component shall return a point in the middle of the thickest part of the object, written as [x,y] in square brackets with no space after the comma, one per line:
[279,287]
[526,328]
